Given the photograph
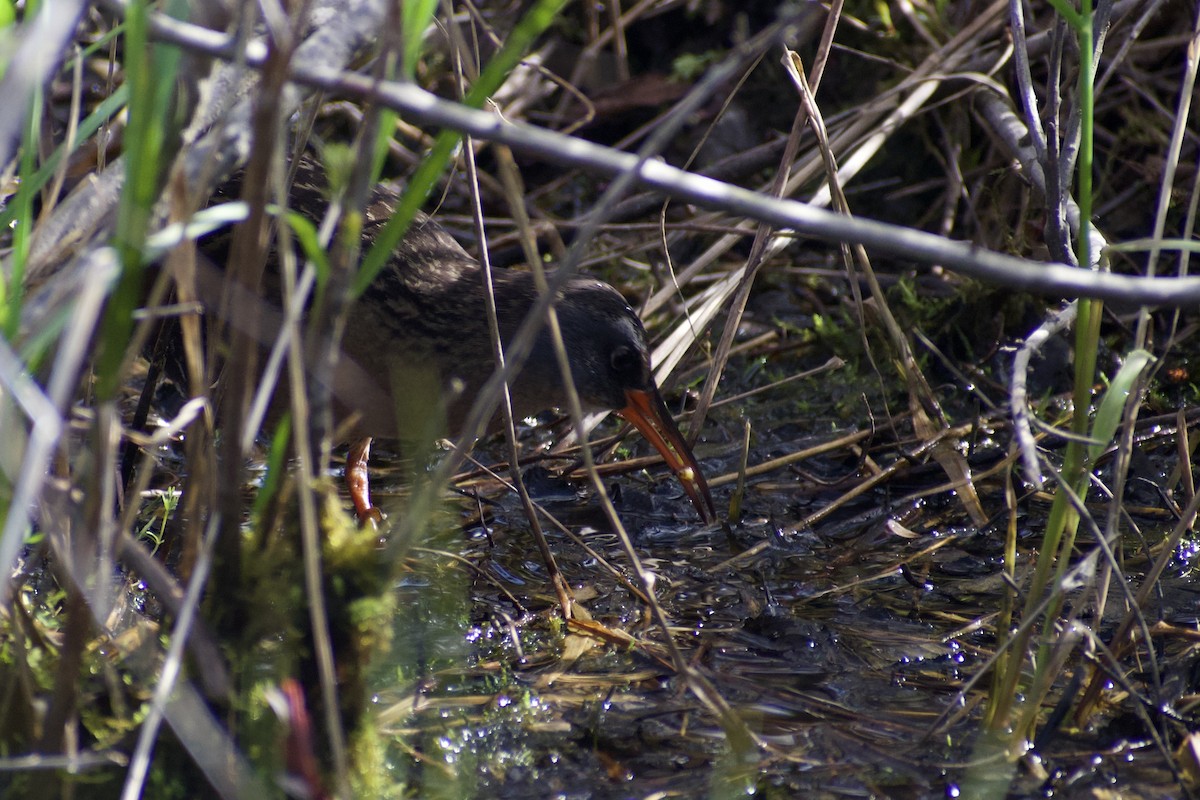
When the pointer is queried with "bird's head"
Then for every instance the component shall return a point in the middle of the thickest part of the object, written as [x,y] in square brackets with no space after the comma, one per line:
[610,364]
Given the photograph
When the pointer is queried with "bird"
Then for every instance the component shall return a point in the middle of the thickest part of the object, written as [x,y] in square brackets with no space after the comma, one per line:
[419,331]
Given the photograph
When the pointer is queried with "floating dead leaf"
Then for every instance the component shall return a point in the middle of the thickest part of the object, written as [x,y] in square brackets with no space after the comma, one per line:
[896,529]
[576,646]
[609,679]
[573,647]
[602,632]
[585,593]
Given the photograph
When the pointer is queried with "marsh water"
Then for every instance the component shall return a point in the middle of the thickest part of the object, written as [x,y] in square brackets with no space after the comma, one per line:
[856,650]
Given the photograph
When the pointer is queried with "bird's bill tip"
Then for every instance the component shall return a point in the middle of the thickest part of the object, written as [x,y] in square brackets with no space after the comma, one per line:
[646,411]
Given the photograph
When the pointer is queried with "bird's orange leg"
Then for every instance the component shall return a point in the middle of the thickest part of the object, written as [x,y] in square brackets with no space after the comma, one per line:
[358,482]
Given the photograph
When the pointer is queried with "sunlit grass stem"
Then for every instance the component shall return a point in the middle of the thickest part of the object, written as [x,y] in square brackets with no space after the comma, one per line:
[1059,537]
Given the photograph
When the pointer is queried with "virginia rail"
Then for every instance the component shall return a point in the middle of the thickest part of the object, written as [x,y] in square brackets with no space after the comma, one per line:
[422,322]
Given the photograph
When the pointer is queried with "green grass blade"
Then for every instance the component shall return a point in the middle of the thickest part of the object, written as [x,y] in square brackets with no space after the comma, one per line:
[309,240]
[1112,405]
[416,16]
[534,23]
[22,207]
[107,109]
[150,74]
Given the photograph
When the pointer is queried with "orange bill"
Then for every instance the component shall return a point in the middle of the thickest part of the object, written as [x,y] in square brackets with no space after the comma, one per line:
[649,414]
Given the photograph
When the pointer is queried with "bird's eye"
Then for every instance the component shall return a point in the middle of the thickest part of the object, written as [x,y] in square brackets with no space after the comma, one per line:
[625,360]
